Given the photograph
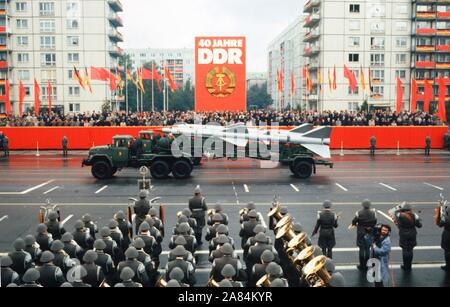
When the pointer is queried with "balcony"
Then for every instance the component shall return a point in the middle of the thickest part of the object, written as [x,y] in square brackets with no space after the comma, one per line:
[443,15]
[311,36]
[309,5]
[424,49]
[425,31]
[114,51]
[4,65]
[115,36]
[443,48]
[442,65]
[312,20]
[115,20]
[425,15]
[424,1]
[443,32]
[116,5]
[4,30]
[310,51]
[430,65]
[2,12]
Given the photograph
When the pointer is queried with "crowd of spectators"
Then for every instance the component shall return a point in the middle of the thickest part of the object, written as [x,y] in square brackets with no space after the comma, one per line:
[255,118]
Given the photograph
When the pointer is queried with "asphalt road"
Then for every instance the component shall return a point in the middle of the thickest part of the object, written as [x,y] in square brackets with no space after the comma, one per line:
[27,181]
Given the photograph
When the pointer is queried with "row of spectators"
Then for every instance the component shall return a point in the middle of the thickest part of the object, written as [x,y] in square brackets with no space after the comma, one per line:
[255,118]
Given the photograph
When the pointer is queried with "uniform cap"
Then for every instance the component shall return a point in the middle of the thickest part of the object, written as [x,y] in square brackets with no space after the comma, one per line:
[225,284]
[184,228]
[228,271]
[297,227]
[19,244]
[113,224]
[222,229]
[79,225]
[131,253]
[86,218]
[259,228]
[327,204]
[30,240]
[222,239]
[274,269]
[153,212]
[53,216]
[31,275]
[90,256]
[217,218]
[226,249]
[261,238]
[176,274]
[6,261]
[180,240]
[197,190]
[143,194]
[139,243]
[267,256]
[57,246]
[99,244]
[105,232]
[218,207]
[47,257]
[253,214]
[42,228]
[187,212]
[173,284]
[120,215]
[126,274]
[251,206]
[277,283]
[337,280]
[366,204]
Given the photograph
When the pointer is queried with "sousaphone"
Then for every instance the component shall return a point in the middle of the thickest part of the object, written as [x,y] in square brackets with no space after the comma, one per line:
[316,273]
[304,257]
[263,282]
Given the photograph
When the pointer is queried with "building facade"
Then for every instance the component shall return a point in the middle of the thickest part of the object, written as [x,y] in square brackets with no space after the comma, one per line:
[285,55]
[256,78]
[431,44]
[45,40]
[179,61]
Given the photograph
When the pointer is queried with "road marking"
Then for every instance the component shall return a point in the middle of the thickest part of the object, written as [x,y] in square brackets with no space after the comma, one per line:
[28,190]
[51,190]
[261,218]
[433,186]
[235,194]
[102,189]
[246,188]
[393,266]
[295,188]
[3,218]
[67,219]
[388,186]
[386,216]
[340,186]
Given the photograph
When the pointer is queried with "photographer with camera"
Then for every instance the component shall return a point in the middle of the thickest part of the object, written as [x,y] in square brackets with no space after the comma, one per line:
[379,240]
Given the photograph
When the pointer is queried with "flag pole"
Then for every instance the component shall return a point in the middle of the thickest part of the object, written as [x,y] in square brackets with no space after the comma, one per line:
[126,86]
[137,94]
[153,87]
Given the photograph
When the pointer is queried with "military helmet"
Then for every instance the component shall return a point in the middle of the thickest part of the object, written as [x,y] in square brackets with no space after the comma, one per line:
[113,224]
[67,237]
[131,253]
[297,227]
[99,244]
[253,214]
[274,269]
[42,228]
[337,280]
[222,229]
[228,271]
[218,207]
[79,225]
[30,240]
[47,257]
[19,244]
[173,284]
[226,249]
[261,238]
[183,219]
[179,251]
[138,243]
[222,239]
[217,218]
[197,190]
[57,246]
[53,216]
[90,256]
[259,228]
[6,261]
[225,283]
[120,215]
[330,265]
[176,274]
[31,275]
[143,194]
[153,212]
[126,274]
[86,218]
[277,283]
[150,221]
[183,228]
[366,204]
[251,206]
[284,210]
[180,240]
[105,232]
[327,204]
[186,212]
[267,256]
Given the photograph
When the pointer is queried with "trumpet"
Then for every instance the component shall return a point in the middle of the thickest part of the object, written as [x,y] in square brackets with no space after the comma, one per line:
[244,211]
[264,282]
[212,283]
[104,284]
[211,212]
[440,212]
[161,283]
[316,274]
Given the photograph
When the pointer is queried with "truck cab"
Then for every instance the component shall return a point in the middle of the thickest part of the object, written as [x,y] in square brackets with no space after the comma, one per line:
[147,141]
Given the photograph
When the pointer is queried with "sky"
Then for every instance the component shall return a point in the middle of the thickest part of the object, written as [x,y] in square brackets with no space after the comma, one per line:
[175,23]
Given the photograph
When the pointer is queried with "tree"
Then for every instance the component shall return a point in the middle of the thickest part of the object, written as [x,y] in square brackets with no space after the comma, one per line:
[257,97]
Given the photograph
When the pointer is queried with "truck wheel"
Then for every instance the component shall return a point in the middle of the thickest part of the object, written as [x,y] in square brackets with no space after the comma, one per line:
[101,170]
[181,169]
[160,169]
[113,171]
[197,161]
[302,169]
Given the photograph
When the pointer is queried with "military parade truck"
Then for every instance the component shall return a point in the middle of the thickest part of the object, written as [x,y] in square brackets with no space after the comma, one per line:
[128,152]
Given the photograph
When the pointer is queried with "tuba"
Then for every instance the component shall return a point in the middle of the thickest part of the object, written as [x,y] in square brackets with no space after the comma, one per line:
[275,213]
[263,282]
[316,274]
[440,212]
[161,283]
[284,221]
[212,283]
[304,257]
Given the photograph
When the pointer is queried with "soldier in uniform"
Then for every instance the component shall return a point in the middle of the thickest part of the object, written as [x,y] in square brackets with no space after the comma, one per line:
[216,221]
[215,241]
[89,224]
[117,236]
[82,236]
[104,260]
[427,145]
[43,238]
[445,242]
[62,259]
[184,230]
[274,271]
[30,279]
[125,227]
[249,207]
[273,222]
[111,246]
[179,262]
[188,214]
[155,233]
[278,283]
[407,222]
[255,252]
[259,269]
[247,227]
[64,144]
[8,275]
[228,272]
[178,275]
[215,252]
[6,146]
[54,227]
[32,247]
[71,247]
[364,219]
[141,209]
[94,272]
[78,277]
[151,245]
[138,267]
[218,210]
[327,220]
[158,223]
[198,206]
[227,258]
[373,145]
[22,260]
[127,275]
[51,276]
[150,267]
[180,240]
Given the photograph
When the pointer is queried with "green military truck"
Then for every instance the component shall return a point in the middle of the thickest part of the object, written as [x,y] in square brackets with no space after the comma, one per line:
[128,152]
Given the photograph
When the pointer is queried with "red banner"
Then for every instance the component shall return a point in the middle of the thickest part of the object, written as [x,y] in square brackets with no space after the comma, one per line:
[220,74]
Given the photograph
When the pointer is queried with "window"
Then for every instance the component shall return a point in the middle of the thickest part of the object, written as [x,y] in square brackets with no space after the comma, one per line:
[377,43]
[74,91]
[377,59]
[353,57]
[353,41]
[401,42]
[443,25]
[48,59]
[3,40]
[355,24]
[70,74]
[356,92]
[400,58]
[401,8]
[377,27]
[21,6]
[44,93]
[47,8]
[73,41]
[72,7]
[378,75]
[400,74]
[423,41]
[27,91]
[73,57]
[72,24]
[23,57]
[401,26]
[22,40]
[22,23]
[377,10]
[23,75]
[353,106]
[48,42]
[354,8]
[378,90]
[74,107]
[143,55]
[47,26]
[48,75]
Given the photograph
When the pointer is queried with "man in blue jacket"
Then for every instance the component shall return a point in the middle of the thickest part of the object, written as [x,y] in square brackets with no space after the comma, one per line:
[381,250]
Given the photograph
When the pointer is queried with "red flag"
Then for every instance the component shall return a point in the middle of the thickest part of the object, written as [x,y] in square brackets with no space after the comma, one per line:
[399,95]
[49,89]
[37,94]
[292,83]
[147,74]
[22,94]
[8,98]
[157,77]
[304,72]
[99,74]
[414,90]
[428,96]
[112,81]
[334,78]
[442,113]
[169,77]
[351,78]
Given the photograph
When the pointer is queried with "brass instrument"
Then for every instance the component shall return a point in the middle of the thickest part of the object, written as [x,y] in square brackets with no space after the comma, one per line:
[161,283]
[316,274]
[304,257]
[244,211]
[275,213]
[212,283]
[179,214]
[290,253]
[285,220]
[263,282]
[440,212]
[211,212]
[104,284]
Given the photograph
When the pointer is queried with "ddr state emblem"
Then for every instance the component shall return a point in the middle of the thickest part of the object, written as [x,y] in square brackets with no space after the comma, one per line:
[220,82]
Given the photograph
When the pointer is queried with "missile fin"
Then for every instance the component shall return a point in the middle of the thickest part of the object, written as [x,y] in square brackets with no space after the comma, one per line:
[303,129]
[321,150]
[319,133]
